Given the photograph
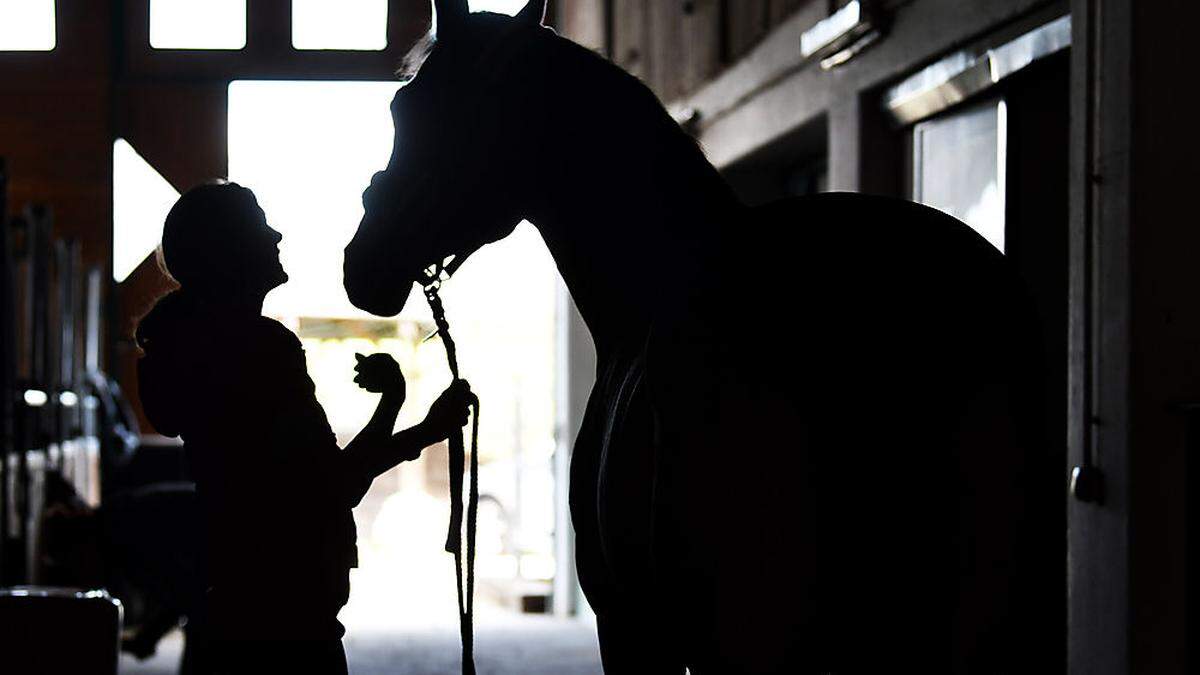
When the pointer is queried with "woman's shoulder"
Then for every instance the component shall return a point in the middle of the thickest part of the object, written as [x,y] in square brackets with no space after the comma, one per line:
[270,330]
[271,341]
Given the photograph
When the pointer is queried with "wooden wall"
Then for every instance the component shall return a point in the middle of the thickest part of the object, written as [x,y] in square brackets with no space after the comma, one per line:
[675,45]
[56,127]
[61,111]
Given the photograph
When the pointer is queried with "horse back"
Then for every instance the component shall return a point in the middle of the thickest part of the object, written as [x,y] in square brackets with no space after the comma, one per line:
[841,420]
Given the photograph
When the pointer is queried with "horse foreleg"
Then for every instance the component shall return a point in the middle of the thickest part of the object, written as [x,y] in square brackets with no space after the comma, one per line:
[630,644]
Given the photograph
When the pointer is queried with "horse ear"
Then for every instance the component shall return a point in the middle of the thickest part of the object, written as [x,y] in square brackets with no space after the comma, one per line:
[533,12]
[450,13]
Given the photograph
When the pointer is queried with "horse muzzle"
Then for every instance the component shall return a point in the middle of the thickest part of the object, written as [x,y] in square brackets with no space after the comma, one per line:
[372,284]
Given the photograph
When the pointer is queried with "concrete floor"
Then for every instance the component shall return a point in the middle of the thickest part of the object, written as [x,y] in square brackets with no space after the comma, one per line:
[527,645]
[402,618]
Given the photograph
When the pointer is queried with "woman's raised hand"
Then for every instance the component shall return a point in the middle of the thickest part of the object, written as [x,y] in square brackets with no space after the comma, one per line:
[379,373]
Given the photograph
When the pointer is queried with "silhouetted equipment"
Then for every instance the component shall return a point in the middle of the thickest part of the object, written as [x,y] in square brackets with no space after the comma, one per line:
[454,537]
[35,621]
[51,336]
[49,452]
[7,369]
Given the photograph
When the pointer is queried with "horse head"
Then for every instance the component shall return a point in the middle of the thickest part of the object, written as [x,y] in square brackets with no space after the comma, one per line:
[450,186]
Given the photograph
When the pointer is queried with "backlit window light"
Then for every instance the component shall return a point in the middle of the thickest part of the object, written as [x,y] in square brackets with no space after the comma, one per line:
[509,7]
[339,24]
[198,24]
[141,200]
[308,149]
[959,166]
[27,25]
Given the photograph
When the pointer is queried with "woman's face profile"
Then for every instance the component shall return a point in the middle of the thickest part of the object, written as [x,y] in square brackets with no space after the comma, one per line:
[256,243]
[267,240]
[217,241]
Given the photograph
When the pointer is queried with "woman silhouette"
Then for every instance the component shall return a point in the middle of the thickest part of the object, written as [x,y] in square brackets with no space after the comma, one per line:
[275,489]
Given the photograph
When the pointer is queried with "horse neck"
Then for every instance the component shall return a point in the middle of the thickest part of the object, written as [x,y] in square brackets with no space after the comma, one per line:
[628,206]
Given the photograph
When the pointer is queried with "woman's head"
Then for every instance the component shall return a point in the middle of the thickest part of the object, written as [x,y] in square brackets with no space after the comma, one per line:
[216,239]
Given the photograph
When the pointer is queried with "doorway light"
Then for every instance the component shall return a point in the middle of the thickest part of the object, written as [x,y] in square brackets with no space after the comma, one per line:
[307,150]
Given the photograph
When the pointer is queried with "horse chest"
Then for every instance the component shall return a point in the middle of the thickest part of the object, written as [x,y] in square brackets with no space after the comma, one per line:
[612,489]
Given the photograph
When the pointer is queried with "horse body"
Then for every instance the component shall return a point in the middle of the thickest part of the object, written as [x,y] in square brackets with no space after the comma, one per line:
[784,463]
[808,446]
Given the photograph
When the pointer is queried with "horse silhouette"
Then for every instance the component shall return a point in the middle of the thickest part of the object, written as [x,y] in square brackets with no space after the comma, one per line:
[812,445]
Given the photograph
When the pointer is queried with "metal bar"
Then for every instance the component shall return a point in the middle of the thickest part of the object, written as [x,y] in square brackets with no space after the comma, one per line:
[1099,531]
[7,368]
[965,74]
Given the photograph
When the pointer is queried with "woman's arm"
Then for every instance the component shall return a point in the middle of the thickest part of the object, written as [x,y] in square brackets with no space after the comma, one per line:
[448,412]
[375,449]
[379,373]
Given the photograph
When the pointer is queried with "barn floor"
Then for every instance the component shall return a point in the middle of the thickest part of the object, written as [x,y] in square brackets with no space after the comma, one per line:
[532,645]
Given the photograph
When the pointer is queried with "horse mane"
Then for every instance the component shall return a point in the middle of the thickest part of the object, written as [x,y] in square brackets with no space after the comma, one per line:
[620,89]
[677,155]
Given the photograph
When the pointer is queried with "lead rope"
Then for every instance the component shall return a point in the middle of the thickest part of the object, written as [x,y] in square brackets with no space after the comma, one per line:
[454,537]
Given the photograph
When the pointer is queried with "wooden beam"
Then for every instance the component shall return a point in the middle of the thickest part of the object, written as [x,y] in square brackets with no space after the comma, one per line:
[1134,364]
[773,91]
[179,128]
[1098,575]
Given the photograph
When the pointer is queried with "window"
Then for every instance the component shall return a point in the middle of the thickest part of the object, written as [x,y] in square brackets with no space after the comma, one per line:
[339,24]
[27,25]
[959,164]
[141,200]
[509,7]
[198,24]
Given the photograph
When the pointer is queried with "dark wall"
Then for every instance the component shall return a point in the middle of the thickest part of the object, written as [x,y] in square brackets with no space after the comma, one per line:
[56,126]
[61,111]
[676,46]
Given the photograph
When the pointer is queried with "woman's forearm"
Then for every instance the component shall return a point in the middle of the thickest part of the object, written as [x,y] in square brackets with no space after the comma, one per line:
[376,449]
[382,421]
[359,456]
[404,446]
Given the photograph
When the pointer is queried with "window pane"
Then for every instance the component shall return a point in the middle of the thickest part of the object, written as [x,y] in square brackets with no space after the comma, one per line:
[141,200]
[339,24]
[27,25]
[509,7]
[198,24]
[959,166]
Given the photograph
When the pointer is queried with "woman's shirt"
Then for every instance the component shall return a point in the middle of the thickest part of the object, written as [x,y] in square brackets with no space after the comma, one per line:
[275,488]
